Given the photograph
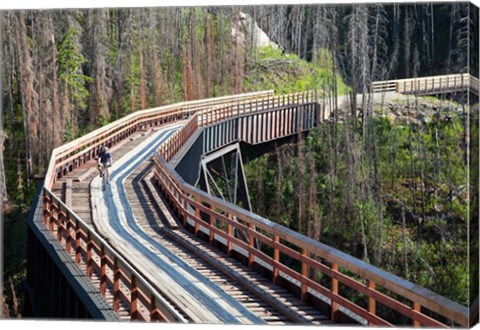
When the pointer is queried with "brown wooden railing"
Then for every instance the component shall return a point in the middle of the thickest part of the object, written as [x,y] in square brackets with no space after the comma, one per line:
[72,155]
[376,285]
[216,114]
[116,276]
[128,286]
[428,85]
[373,283]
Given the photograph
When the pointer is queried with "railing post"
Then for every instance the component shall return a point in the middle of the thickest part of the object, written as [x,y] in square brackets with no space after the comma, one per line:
[416,307]
[186,213]
[229,233]
[51,218]
[103,271]
[60,217]
[116,285]
[212,224]
[89,254]
[371,301]
[78,242]
[251,256]
[197,218]
[133,298]
[68,238]
[304,288]
[155,314]
[276,258]
[335,293]
[46,207]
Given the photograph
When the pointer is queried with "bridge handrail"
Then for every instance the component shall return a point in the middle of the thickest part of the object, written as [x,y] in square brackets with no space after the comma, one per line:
[61,220]
[426,84]
[183,192]
[204,118]
[64,154]
[184,196]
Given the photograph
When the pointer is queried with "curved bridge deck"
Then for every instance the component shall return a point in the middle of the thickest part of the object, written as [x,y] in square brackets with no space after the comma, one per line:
[159,249]
[223,280]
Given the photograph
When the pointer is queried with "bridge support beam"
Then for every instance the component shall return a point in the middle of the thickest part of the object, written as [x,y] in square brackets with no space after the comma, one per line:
[226,166]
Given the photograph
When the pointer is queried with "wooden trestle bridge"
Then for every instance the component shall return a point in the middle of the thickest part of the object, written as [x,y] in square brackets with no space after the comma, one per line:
[152,246]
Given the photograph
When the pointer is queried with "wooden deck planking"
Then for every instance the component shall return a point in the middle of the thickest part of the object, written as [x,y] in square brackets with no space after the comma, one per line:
[240,291]
[81,206]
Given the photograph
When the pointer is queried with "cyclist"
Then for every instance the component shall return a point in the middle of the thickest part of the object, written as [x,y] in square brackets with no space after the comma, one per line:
[104,162]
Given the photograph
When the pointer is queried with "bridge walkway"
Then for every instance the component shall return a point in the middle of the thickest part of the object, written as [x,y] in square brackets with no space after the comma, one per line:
[74,190]
[257,294]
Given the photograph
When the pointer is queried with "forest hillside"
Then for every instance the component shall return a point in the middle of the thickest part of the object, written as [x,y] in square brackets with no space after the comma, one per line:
[67,72]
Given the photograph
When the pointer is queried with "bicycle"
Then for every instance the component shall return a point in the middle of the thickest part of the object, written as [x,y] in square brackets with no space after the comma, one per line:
[103,175]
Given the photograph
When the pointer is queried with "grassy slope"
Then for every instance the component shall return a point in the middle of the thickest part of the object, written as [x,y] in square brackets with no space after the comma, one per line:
[286,73]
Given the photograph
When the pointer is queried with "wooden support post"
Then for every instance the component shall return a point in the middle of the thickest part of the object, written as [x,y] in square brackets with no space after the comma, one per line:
[335,292]
[45,207]
[197,219]
[251,240]
[78,243]
[89,254]
[416,307]
[153,309]
[186,213]
[51,217]
[229,233]
[68,237]
[371,301]
[103,271]
[116,285]
[212,225]
[304,287]
[133,298]
[60,219]
[276,258]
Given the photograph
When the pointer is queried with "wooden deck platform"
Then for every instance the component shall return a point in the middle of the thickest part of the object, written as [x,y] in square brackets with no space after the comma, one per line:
[248,297]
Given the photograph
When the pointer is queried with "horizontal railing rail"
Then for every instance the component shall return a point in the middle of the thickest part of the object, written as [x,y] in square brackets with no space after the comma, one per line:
[428,85]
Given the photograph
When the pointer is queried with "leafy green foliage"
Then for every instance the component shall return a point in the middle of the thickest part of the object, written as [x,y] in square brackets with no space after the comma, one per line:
[70,61]
[286,73]
[422,179]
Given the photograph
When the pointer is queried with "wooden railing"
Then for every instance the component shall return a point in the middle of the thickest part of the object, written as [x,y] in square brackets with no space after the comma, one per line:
[375,285]
[223,112]
[428,85]
[170,147]
[216,114]
[74,154]
[378,286]
[116,275]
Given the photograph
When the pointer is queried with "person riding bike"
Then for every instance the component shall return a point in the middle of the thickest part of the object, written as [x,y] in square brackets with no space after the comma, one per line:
[104,162]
